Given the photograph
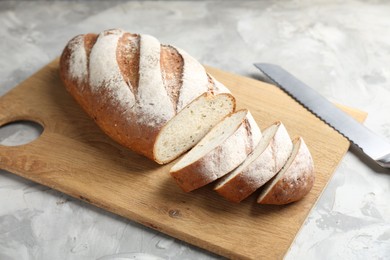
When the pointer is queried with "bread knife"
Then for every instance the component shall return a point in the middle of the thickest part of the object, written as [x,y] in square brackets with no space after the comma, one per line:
[374,146]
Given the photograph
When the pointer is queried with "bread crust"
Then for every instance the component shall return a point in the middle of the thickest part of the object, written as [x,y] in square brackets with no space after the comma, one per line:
[261,170]
[244,184]
[296,181]
[222,159]
[114,120]
[115,104]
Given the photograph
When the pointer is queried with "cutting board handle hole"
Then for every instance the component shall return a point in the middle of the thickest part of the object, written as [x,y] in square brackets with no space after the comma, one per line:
[19,132]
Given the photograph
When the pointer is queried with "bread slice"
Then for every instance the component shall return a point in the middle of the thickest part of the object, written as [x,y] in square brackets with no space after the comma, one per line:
[190,125]
[224,148]
[294,181]
[261,165]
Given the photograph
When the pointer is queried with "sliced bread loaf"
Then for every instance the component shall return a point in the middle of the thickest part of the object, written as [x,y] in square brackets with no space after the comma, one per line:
[224,148]
[131,85]
[261,165]
[294,181]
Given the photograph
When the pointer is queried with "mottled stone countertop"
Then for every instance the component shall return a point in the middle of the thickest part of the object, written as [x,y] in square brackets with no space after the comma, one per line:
[340,48]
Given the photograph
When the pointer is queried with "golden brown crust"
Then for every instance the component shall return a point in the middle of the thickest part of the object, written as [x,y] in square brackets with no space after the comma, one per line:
[297,180]
[89,42]
[250,179]
[127,55]
[217,162]
[172,70]
[239,183]
[191,177]
[260,167]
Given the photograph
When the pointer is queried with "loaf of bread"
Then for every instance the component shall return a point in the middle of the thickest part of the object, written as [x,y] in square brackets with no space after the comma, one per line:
[225,147]
[294,181]
[269,156]
[154,99]
[160,102]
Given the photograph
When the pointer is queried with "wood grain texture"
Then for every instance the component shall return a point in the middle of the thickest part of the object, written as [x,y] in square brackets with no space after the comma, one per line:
[75,157]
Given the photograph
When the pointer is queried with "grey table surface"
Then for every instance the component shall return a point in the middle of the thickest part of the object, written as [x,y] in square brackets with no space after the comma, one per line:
[340,48]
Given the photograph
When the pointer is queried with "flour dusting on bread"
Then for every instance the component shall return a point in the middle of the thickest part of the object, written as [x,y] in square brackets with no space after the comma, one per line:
[104,73]
[224,148]
[195,81]
[78,59]
[153,102]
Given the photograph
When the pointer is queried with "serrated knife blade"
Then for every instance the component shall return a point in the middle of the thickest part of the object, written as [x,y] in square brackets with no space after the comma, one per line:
[376,147]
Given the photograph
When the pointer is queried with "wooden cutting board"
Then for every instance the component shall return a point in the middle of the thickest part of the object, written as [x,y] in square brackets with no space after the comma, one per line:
[75,157]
